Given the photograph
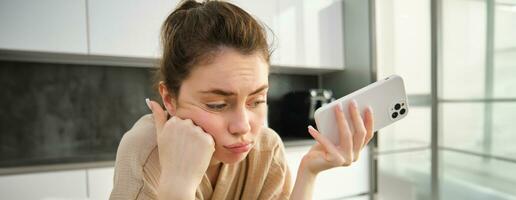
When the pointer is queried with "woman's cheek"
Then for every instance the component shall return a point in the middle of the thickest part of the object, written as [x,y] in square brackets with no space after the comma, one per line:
[260,116]
[209,122]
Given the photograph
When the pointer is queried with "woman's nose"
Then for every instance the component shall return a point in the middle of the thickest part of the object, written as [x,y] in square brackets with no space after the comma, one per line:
[239,123]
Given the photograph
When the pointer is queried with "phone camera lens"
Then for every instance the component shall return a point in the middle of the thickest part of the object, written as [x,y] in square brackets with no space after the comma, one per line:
[394,115]
[397,106]
[402,111]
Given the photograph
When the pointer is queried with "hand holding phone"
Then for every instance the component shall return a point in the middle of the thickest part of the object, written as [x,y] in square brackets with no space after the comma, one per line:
[386,97]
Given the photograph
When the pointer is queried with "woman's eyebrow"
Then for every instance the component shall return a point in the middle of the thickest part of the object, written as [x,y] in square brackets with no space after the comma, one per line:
[222,92]
[218,92]
[263,87]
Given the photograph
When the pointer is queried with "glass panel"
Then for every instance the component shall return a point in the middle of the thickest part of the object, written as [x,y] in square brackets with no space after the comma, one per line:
[403,47]
[463,49]
[403,42]
[404,176]
[504,130]
[470,177]
[505,49]
[462,126]
[413,131]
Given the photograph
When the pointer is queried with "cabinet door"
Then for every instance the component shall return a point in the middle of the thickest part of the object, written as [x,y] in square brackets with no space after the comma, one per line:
[127,27]
[48,26]
[49,185]
[337,182]
[310,34]
[100,182]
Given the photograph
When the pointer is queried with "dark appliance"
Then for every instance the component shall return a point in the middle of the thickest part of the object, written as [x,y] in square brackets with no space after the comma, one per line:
[297,111]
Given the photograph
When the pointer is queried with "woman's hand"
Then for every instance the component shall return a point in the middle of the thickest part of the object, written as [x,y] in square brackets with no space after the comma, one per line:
[185,151]
[325,155]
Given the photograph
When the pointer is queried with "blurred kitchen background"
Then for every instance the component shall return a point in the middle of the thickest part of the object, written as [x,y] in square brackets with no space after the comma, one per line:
[74,75]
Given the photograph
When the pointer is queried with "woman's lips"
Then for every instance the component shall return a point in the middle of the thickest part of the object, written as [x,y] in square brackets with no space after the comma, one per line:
[239,148]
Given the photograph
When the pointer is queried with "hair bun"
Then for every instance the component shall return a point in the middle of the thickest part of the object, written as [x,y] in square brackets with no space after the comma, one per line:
[188,4]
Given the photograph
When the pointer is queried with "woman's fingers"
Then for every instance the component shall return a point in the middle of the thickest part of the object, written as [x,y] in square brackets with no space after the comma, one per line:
[359,129]
[369,125]
[350,142]
[345,136]
[160,116]
[326,144]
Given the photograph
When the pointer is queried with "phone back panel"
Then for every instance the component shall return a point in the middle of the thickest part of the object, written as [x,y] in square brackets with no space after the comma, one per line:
[383,96]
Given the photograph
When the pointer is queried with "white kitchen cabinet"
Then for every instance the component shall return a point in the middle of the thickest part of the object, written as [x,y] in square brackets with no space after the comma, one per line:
[337,182]
[100,182]
[48,185]
[128,28]
[304,34]
[48,26]
[310,34]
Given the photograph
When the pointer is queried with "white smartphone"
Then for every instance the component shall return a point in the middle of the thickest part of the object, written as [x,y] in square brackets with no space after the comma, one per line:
[386,97]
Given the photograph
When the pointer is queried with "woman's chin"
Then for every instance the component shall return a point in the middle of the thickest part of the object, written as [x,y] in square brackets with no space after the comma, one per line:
[233,158]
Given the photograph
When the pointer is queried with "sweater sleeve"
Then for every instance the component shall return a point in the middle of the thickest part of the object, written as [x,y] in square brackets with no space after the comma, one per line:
[278,184]
[130,180]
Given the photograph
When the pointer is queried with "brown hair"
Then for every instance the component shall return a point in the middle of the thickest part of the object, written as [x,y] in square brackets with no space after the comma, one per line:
[194,32]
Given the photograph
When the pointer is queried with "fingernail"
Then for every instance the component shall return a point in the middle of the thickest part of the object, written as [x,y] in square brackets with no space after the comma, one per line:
[354,103]
[370,109]
[311,127]
[340,107]
[147,101]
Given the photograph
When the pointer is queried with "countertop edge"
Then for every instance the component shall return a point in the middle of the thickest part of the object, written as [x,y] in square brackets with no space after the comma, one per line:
[55,167]
[103,164]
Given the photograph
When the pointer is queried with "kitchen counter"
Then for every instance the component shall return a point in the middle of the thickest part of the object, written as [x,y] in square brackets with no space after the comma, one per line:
[288,142]
[54,167]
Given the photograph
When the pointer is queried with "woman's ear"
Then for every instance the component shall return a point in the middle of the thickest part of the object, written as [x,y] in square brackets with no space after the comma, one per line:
[169,102]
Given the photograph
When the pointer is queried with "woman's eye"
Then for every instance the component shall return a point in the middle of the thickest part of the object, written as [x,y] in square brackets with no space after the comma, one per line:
[257,103]
[216,106]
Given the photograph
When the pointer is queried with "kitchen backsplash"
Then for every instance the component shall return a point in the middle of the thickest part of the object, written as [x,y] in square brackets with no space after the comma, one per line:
[64,113]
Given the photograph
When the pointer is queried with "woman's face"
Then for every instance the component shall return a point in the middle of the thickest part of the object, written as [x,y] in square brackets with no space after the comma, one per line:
[227,99]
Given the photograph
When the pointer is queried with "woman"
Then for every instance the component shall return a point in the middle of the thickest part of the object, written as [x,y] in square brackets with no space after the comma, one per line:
[210,142]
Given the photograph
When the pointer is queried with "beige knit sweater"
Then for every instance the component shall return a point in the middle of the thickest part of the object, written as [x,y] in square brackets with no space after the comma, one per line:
[264,173]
